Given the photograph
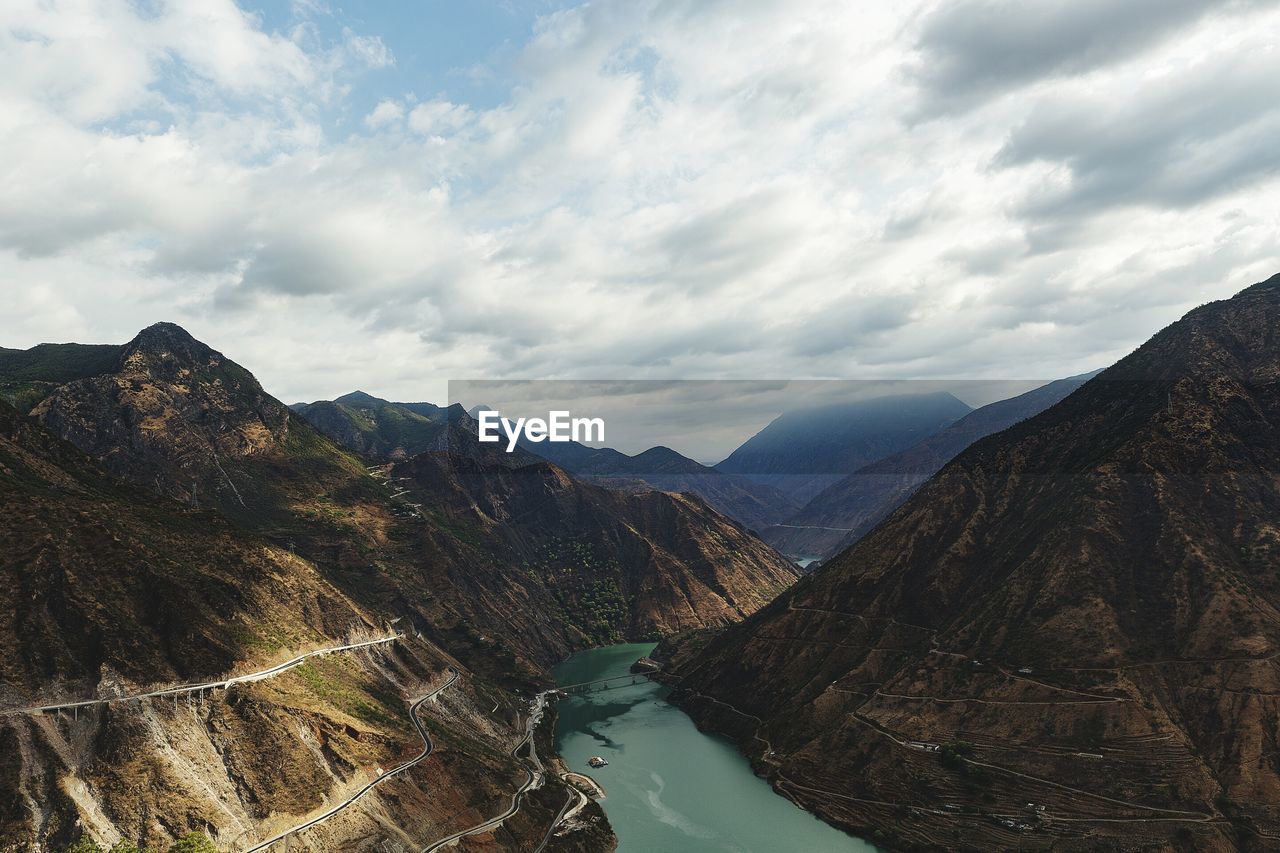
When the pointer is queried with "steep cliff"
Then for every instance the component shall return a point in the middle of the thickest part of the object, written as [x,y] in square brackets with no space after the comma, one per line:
[608,564]
[1066,638]
[111,591]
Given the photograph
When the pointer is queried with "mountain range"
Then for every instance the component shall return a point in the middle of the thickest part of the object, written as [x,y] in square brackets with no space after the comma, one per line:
[802,452]
[167,520]
[1049,623]
[381,430]
[378,428]
[1065,639]
[843,512]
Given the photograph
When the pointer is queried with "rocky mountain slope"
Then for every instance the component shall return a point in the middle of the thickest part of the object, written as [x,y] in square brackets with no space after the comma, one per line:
[842,513]
[756,505]
[168,520]
[803,452]
[1066,639]
[609,564]
[110,590]
[178,417]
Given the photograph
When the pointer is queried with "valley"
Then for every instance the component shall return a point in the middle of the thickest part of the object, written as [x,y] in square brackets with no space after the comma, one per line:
[582,426]
[224,621]
[220,622]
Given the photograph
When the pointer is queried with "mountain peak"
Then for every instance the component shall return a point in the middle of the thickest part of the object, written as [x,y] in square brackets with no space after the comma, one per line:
[169,338]
[359,398]
[169,332]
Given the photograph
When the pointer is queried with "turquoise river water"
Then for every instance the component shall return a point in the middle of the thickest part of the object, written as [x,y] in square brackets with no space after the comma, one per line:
[670,787]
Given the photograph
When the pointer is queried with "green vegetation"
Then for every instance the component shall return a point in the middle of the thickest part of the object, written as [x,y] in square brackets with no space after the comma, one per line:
[953,754]
[334,683]
[460,530]
[25,396]
[57,363]
[585,587]
[192,842]
[85,844]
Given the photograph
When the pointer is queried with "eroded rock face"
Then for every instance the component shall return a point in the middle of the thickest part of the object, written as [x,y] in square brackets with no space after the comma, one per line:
[607,565]
[110,590]
[1081,613]
[169,416]
[282,543]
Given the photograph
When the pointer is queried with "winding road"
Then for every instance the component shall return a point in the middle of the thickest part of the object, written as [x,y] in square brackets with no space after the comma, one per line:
[427,747]
[572,805]
[533,780]
[207,685]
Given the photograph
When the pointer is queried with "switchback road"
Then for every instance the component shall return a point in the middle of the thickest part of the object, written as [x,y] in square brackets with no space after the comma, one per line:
[427,746]
[533,780]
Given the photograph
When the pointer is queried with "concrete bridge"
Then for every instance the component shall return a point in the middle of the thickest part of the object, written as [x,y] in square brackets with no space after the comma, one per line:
[611,683]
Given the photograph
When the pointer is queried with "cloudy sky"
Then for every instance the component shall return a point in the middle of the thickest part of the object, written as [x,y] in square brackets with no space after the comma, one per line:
[387,196]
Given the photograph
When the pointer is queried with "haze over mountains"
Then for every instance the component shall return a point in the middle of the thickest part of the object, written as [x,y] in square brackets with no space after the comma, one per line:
[843,512]
[800,450]
[1064,639]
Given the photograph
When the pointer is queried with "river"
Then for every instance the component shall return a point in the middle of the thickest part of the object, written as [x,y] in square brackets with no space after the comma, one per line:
[669,786]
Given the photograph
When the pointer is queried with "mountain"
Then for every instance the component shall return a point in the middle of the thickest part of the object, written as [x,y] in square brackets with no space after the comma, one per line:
[177,416]
[27,376]
[802,452]
[842,513]
[112,590]
[381,430]
[608,565]
[377,428]
[756,505]
[166,519]
[1065,639]
[182,419]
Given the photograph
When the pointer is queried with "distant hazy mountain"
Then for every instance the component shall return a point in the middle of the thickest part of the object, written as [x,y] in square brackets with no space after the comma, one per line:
[843,512]
[804,451]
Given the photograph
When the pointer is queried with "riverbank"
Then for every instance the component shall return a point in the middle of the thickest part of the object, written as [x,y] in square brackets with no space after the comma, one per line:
[671,787]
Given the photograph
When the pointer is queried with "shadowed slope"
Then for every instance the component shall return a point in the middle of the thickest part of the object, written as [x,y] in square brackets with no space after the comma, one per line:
[1085,606]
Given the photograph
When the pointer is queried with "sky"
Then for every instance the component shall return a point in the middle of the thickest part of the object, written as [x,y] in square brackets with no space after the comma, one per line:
[388,196]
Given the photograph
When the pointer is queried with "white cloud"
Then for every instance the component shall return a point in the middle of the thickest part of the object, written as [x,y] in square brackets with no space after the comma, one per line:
[387,112]
[438,118]
[670,189]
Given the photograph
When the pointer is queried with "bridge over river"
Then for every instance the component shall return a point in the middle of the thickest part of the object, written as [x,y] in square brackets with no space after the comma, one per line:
[609,683]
